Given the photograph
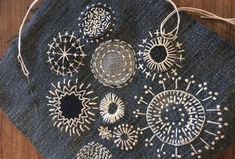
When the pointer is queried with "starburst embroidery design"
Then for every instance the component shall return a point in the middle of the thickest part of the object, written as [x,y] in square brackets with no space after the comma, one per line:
[65,54]
[112,108]
[159,55]
[186,115]
[97,22]
[126,136]
[114,63]
[105,133]
[72,106]
[94,151]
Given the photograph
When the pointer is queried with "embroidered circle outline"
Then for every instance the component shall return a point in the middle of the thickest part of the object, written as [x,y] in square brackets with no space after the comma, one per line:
[106,104]
[189,110]
[114,63]
[209,132]
[94,151]
[97,22]
[65,54]
[152,62]
[82,122]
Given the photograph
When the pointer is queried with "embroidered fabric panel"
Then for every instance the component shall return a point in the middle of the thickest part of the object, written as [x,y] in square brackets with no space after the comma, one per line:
[106,84]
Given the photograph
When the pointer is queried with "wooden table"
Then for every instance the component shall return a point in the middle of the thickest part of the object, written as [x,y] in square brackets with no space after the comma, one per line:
[13,145]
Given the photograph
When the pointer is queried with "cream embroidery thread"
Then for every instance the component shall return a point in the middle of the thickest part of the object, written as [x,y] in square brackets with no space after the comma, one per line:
[80,122]
[65,54]
[192,112]
[111,101]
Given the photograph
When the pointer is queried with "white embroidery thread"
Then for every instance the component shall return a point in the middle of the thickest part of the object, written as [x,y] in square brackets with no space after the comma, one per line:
[97,22]
[80,122]
[159,55]
[192,111]
[105,133]
[126,136]
[65,54]
[94,151]
[107,103]
[114,63]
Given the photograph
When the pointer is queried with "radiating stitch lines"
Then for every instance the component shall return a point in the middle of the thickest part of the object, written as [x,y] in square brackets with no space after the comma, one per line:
[65,54]
[159,55]
[182,116]
[72,106]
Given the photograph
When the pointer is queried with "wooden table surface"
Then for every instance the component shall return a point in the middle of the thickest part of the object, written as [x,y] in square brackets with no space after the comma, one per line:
[13,145]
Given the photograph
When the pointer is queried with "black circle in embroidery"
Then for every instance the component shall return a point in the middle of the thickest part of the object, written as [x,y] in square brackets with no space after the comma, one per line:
[71,106]
[158,54]
[113,108]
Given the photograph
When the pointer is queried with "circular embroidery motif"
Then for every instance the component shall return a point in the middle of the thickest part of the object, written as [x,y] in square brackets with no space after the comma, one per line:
[184,116]
[112,108]
[125,136]
[180,113]
[72,107]
[65,54]
[94,151]
[114,63]
[97,22]
[159,55]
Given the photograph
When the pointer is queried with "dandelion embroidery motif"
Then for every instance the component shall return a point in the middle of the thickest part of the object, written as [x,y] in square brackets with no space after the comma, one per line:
[65,54]
[181,116]
[126,136]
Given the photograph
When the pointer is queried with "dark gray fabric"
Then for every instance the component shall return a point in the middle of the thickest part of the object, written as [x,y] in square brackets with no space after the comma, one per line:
[208,57]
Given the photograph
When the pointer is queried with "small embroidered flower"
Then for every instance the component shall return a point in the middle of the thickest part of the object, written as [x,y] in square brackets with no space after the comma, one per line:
[114,64]
[112,108]
[97,22]
[125,137]
[65,54]
[184,114]
[105,133]
[94,151]
[72,107]
[159,55]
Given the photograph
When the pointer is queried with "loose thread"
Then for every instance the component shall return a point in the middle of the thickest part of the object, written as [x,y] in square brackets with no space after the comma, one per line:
[19,57]
[205,15]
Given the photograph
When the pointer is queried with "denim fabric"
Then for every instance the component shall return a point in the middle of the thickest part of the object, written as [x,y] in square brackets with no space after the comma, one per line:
[207,56]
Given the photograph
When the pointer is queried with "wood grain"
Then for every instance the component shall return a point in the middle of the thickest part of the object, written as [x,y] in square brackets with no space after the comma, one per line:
[13,145]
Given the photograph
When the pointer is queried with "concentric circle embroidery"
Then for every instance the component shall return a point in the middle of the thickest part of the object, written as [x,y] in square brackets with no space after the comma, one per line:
[112,108]
[126,136]
[159,55]
[97,22]
[72,106]
[65,54]
[184,116]
[176,117]
[94,151]
[114,63]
